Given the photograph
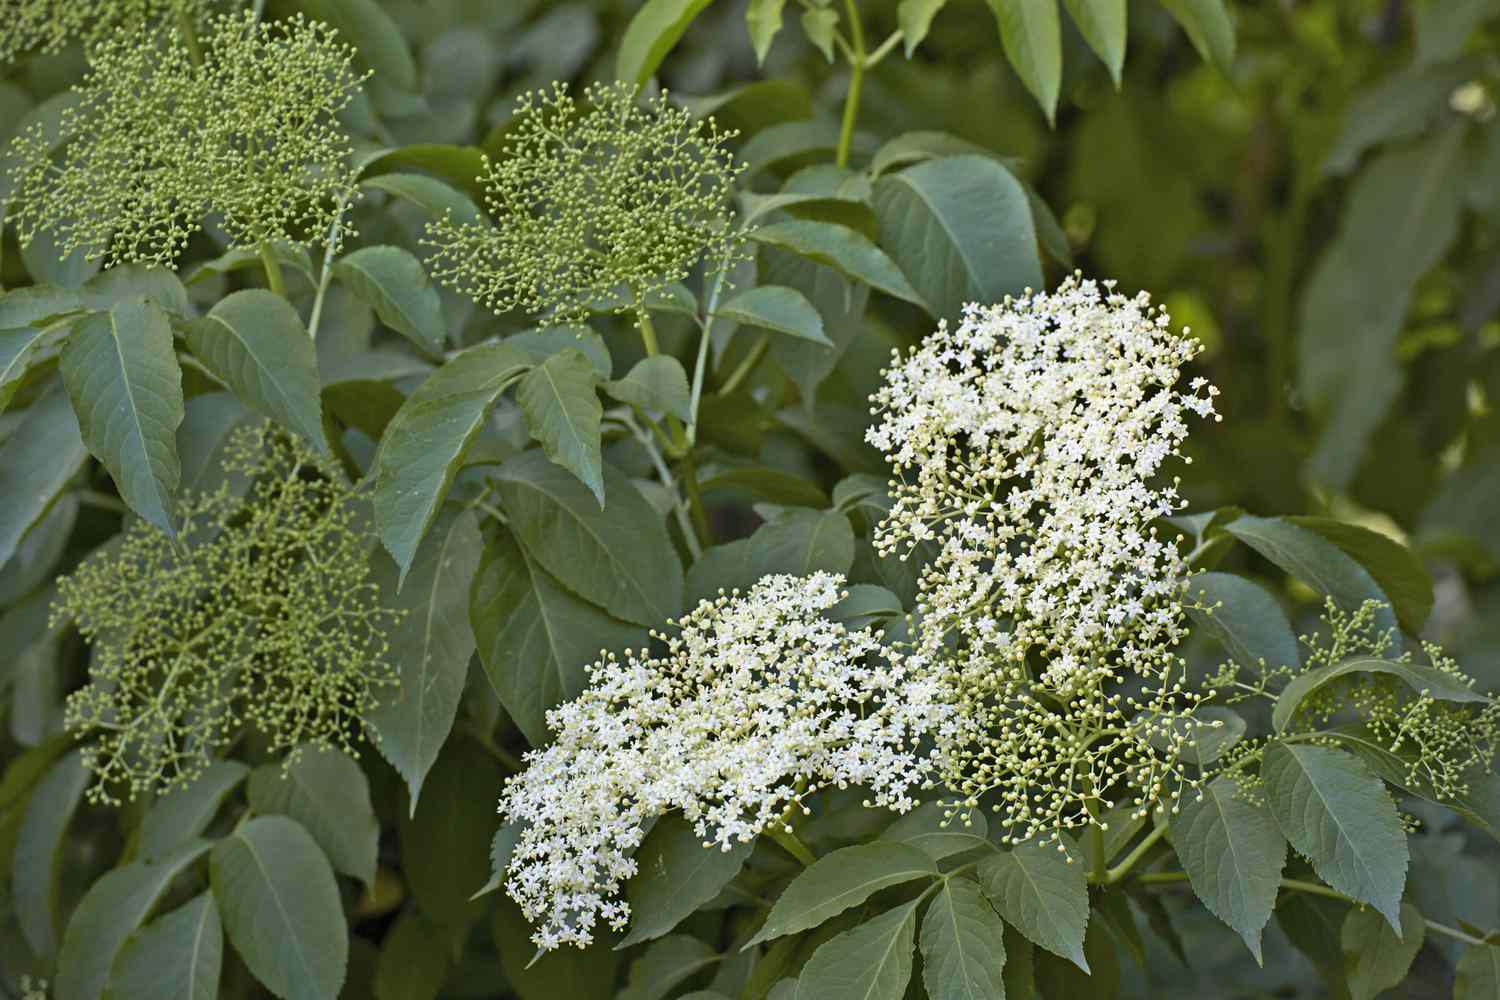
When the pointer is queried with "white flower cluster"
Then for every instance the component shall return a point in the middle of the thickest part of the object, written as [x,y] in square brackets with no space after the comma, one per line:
[758,701]
[1027,442]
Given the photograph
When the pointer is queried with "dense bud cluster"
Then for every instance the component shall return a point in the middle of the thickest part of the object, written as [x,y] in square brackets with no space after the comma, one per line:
[162,137]
[48,25]
[263,613]
[758,701]
[590,199]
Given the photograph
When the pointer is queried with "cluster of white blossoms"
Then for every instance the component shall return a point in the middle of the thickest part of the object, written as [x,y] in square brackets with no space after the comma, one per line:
[1029,445]
[758,701]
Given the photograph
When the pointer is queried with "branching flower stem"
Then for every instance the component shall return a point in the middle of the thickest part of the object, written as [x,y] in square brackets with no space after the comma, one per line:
[857,63]
[274,277]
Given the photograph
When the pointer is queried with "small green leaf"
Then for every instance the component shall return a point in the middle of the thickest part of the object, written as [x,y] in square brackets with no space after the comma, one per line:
[1339,816]
[651,34]
[1208,25]
[871,962]
[820,24]
[1246,620]
[963,949]
[543,342]
[655,383]
[763,19]
[561,403]
[1032,37]
[837,881]
[1233,854]
[621,558]
[430,648]
[1419,677]
[436,197]
[393,283]
[184,813]
[1376,958]
[37,460]
[1043,893]
[291,258]
[280,905]
[776,307]
[120,369]
[325,791]
[1478,974]
[1102,24]
[178,956]
[445,843]
[924,829]
[24,349]
[38,852]
[843,249]
[915,19]
[425,442]
[254,342]
[767,484]
[677,874]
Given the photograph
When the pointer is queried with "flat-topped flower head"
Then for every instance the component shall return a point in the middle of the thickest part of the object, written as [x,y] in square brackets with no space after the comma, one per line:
[758,701]
[163,137]
[592,199]
[28,26]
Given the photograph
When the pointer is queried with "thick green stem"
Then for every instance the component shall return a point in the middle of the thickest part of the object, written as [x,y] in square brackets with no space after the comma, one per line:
[745,367]
[856,83]
[273,270]
[793,846]
[648,329]
[1122,869]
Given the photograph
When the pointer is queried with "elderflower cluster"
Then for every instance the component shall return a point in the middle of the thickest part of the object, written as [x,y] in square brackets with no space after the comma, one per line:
[758,701]
[593,198]
[164,135]
[48,25]
[262,614]
[1029,445]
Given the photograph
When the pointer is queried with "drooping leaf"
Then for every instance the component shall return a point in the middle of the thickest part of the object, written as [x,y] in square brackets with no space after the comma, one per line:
[1397,569]
[819,24]
[840,302]
[543,342]
[535,637]
[915,18]
[38,851]
[1245,619]
[960,228]
[393,283]
[430,648]
[655,383]
[620,558]
[651,34]
[426,440]
[665,963]
[677,875]
[561,403]
[1377,958]
[36,462]
[178,956]
[280,906]
[1102,24]
[963,949]
[777,308]
[1042,893]
[1339,816]
[121,373]
[254,342]
[325,791]
[1208,25]
[1032,38]
[1233,854]
[763,19]
[927,829]
[1421,678]
[435,196]
[837,881]
[843,249]
[445,843]
[184,813]
[871,962]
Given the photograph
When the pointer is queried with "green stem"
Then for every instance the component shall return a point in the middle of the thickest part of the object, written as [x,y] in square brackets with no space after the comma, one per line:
[325,276]
[793,846]
[189,36]
[273,270]
[743,370]
[648,329]
[856,83]
[1120,870]
[695,500]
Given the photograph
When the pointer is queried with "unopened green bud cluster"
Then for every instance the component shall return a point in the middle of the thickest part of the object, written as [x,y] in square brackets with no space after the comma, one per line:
[591,199]
[161,139]
[49,25]
[262,614]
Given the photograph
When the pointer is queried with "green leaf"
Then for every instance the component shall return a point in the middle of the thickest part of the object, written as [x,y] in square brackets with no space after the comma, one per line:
[1245,619]
[963,949]
[425,442]
[776,307]
[665,963]
[535,637]
[915,19]
[1102,24]
[563,974]
[656,383]
[820,24]
[1032,37]
[176,957]
[445,843]
[1376,958]
[290,256]
[438,198]
[843,249]
[763,19]
[1421,678]
[413,959]
[22,350]
[840,302]
[184,813]
[1315,561]
[651,34]
[1397,570]
[768,484]
[924,828]
[1339,816]
[960,227]
[1233,854]
[281,908]
[393,283]
[543,342]
[254,342]
[325,791]
[561,403]
[37,460]
[120,370]
[798,543]
[1209,28]
[1478,974]
[109,913]
[871,962]
[430,648]
[621,559]
[1020,965]
[866,604]
[677,874]
[1057,979]
[38,852]
[378,39]
[837,881]
[1042,893]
